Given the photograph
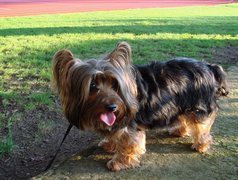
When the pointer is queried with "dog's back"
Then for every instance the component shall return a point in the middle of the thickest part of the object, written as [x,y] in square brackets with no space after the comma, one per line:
[178,86]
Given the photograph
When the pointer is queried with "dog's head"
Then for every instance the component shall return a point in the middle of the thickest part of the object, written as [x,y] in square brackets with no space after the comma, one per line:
[96,94]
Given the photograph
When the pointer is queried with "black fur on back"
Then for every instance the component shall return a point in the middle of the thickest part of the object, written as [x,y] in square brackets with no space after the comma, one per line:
[182,85]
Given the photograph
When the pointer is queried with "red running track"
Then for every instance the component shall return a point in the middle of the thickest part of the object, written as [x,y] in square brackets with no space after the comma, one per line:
[9,8]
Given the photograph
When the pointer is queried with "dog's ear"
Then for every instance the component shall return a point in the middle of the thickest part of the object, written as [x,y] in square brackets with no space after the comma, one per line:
[61,58]
[59,62]
[121,54]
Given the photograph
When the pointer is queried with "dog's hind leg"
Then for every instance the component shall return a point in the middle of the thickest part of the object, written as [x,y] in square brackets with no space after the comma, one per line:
[199,129]
[130,145]
[201,133]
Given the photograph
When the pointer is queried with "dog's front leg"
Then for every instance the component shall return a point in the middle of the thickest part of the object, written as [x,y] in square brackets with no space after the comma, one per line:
[130,145]
[108,144]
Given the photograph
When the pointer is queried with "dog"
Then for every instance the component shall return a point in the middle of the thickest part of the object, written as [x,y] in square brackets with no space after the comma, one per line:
[120,101]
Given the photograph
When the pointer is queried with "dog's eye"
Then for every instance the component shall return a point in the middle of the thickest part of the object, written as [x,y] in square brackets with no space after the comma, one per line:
[115,85]
[93,86]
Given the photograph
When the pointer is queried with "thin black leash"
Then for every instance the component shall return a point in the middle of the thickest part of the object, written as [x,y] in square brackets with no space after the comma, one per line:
[52,160]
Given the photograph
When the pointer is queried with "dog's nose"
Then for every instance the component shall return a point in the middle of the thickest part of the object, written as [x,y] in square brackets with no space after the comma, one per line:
[111,107]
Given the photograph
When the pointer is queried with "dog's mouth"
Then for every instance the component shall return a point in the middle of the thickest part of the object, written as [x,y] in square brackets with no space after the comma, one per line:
[108,118]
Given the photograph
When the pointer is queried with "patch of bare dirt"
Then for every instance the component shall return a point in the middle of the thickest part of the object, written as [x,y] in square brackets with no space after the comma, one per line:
[227,55]
[36,136]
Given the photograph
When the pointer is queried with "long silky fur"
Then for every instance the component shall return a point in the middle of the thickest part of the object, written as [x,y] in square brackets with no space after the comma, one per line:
[178,86]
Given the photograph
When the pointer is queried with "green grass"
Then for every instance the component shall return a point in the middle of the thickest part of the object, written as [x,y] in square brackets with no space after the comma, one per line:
[6,143]
[40,98]
[27,44]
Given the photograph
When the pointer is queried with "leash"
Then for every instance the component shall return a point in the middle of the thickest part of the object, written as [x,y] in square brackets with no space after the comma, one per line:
[52,160]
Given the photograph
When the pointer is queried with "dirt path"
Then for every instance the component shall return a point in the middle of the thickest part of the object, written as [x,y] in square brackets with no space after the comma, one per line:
[169,158]
[10,8]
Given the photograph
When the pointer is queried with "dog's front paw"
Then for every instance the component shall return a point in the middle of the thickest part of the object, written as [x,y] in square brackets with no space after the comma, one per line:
[115,165]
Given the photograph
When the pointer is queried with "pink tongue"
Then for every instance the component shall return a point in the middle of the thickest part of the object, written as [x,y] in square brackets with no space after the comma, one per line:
[108,118]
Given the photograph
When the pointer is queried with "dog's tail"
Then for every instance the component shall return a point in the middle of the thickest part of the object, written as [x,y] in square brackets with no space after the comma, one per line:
[221,79]
[59,63]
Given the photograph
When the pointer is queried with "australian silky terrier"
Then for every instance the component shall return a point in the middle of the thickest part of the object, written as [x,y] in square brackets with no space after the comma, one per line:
[119,100]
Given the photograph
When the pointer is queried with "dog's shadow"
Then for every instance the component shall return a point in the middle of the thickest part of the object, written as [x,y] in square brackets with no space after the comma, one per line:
[167,144]
[93,159]
[157,143]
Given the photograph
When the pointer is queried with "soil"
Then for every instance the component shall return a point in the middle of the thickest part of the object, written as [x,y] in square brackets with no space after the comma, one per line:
[38,133]
[227,55]
[34,145]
